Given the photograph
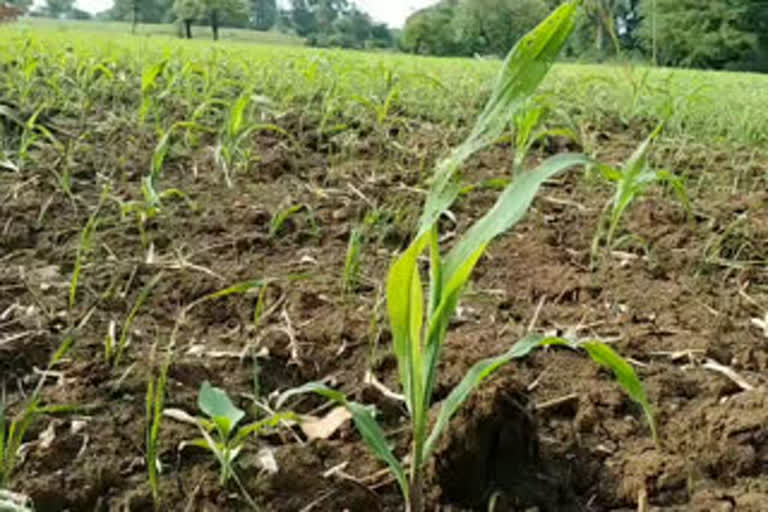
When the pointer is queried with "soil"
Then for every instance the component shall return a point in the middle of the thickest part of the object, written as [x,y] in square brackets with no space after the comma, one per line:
[682,299]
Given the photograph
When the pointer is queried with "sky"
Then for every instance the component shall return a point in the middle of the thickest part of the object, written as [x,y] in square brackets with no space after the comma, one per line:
[391,12]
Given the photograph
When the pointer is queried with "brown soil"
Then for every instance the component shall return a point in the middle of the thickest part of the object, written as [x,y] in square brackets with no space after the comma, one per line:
[550,433]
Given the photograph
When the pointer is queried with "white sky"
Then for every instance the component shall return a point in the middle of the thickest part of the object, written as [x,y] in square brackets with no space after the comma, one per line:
[392,12]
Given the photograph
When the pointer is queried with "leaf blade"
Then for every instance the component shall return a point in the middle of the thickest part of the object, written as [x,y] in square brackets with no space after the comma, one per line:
[365,423]
[216,404]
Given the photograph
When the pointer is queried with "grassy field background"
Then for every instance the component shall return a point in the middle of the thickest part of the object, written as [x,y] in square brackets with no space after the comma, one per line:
[715,106]
[122,28]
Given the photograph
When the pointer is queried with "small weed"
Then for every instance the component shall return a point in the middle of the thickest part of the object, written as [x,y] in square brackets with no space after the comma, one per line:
[221,434]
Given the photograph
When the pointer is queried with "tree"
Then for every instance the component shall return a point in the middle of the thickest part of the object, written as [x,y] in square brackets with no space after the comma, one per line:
[381,36]
[142,11]
[224,11]
[79,14]
[756,21]
[494,26]
[59,8]
[24,5]
[353,28]
[263,14]
[606,27]
[327,11]
[429,31]
[302,19]
[186,12]
[711,34]
[315,18]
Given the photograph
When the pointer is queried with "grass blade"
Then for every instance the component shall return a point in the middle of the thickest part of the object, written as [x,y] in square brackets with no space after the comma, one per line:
[123,341]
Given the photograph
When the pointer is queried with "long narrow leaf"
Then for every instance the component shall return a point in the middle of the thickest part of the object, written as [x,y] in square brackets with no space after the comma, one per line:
[601,353]
[473,378]
[625,375]
[365,423]
[400,284]
[510,207]
[260,425]
[523,70]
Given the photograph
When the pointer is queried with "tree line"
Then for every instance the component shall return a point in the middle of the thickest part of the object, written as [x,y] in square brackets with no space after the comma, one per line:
[337,23]
[718,34]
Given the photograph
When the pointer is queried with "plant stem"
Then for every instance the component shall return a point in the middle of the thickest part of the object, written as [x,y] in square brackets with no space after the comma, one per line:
[416,498]
[416,502]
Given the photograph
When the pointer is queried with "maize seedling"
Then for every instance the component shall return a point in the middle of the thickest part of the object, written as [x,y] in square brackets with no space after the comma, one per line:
[418,333]
[631,181]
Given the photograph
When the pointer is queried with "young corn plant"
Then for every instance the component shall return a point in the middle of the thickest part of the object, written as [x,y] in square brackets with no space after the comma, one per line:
[150,205]
[149,86]
[381,108]
[13,429]
[82,251]
[154,403]
[528,130]
[236,130]
[631,181]
[115,348]
[419,326]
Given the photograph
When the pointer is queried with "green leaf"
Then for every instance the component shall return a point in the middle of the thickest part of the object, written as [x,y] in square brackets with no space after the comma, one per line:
[241,287]
[601,353]
[609,173]
[363,417]
[198,443]
[279,219]
[150,74]
[262,127]
[404,315]
[524,68]
[237,114]
[510,207]
[473,378]
[257,426]
[678,187]
[216,404]
[605,356]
